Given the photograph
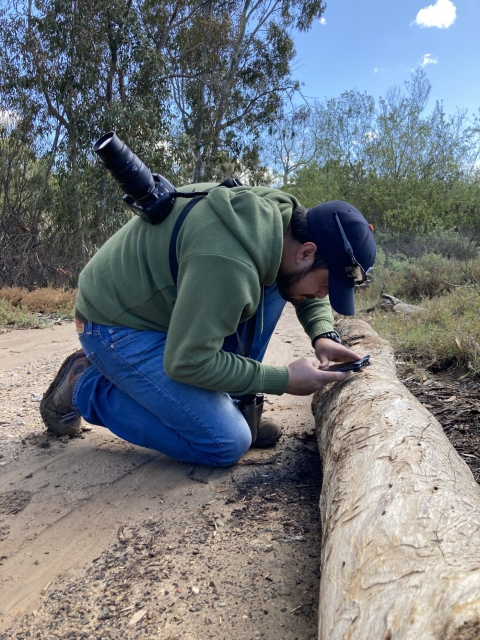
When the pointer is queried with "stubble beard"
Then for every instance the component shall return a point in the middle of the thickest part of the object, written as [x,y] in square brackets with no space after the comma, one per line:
[285,281]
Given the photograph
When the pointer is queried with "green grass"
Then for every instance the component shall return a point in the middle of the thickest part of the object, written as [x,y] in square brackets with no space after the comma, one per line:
[17,317]
[449,330]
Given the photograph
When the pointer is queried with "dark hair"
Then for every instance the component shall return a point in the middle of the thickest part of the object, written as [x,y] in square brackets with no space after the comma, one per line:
[300,231]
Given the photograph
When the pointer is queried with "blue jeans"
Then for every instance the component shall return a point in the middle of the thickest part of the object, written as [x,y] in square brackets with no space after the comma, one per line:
[128,391]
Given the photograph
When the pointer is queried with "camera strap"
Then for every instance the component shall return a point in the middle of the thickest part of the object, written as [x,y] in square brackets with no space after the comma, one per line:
[172,250]
[172,258]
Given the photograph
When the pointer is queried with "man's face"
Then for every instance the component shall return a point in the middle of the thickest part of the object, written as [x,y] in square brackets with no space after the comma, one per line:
[296,287]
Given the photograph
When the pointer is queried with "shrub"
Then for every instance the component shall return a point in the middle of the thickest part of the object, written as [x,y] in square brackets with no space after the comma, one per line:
[448,331]
[450,244]
[414,280]
[44,300]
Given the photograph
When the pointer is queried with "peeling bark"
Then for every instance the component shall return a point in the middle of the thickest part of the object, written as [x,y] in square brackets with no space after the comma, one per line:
[400,511]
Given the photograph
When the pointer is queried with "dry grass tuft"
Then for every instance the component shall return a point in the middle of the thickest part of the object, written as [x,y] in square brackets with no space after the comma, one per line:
[46,300]
[19,306]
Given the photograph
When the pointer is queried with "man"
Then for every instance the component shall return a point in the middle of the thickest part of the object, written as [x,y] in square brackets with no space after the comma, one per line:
[162,357]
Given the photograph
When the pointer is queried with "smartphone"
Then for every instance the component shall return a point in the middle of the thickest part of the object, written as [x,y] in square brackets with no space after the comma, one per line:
[356,366]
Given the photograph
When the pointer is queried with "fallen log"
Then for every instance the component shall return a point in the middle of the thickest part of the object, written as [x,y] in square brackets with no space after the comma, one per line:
[400,511]
[389,302]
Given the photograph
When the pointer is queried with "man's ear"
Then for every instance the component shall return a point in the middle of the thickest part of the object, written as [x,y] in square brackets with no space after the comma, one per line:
[306,254]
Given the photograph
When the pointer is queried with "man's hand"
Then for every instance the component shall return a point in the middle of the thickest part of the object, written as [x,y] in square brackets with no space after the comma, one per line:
[327,350]
[304,376]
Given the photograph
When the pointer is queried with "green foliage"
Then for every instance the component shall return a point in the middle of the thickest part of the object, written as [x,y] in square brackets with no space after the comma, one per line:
[414,280]
[448,290]
[450,243]
[191,87]
[11,316]
[447,332]
[405,169]
[185,84]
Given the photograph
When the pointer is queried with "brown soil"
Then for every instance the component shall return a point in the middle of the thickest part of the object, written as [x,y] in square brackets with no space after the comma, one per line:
[101,539]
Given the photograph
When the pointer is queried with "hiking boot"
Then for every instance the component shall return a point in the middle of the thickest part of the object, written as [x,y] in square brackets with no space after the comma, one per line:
[268,434]
[56,407]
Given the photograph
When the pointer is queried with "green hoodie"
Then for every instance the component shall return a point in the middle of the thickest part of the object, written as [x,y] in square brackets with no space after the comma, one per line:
[228,247]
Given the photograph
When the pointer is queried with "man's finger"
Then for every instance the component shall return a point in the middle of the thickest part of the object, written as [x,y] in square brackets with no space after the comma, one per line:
[324,361]
[334,376]
[346,356]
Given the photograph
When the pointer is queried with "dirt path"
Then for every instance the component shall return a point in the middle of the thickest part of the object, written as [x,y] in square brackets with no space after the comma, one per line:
[101,539]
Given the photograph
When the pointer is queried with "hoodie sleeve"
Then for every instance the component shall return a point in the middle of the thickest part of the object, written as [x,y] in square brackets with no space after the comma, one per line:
[315,316]
[213,293]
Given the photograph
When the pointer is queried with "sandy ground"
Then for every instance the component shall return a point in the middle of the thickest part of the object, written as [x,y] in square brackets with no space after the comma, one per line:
[102,539]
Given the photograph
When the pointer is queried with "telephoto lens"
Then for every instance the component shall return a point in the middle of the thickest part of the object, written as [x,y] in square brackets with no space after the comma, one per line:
[126,168]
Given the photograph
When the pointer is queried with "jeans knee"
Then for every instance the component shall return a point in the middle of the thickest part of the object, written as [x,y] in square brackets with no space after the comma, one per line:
[228,447]
[236,449]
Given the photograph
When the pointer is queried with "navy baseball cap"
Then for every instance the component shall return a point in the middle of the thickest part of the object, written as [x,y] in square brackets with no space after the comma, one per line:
[346,240]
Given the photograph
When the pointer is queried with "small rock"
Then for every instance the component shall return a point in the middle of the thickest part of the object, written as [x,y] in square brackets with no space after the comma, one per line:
[222,604]
[139,615]
[195,591]
[219,522]
[268,548]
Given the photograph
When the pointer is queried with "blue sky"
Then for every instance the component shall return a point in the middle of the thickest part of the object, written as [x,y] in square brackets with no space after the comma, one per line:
[374,44]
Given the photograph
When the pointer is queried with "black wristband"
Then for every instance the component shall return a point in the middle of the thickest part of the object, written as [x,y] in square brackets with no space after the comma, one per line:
[331,335]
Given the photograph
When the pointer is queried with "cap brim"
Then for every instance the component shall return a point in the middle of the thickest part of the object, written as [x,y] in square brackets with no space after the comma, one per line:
[341,297]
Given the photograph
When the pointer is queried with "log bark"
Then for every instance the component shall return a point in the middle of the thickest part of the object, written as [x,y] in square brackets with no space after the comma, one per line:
[400,511]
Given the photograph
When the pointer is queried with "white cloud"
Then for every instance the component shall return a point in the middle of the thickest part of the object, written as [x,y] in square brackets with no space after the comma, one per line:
[428,59]
[442,14]
[323,21]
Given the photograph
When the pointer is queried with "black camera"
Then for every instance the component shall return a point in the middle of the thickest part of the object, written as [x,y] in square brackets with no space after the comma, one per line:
[148,194]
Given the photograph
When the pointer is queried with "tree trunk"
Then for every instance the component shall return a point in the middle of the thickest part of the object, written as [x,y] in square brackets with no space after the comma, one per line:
[77,212]
[400,511]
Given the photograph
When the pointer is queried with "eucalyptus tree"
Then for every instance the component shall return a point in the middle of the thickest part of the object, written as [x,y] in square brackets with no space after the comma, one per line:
[230,67]
[71,69]
[290,141]
[48,65]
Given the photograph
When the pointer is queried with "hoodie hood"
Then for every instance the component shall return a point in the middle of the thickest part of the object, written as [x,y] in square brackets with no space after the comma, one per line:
[258,218]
